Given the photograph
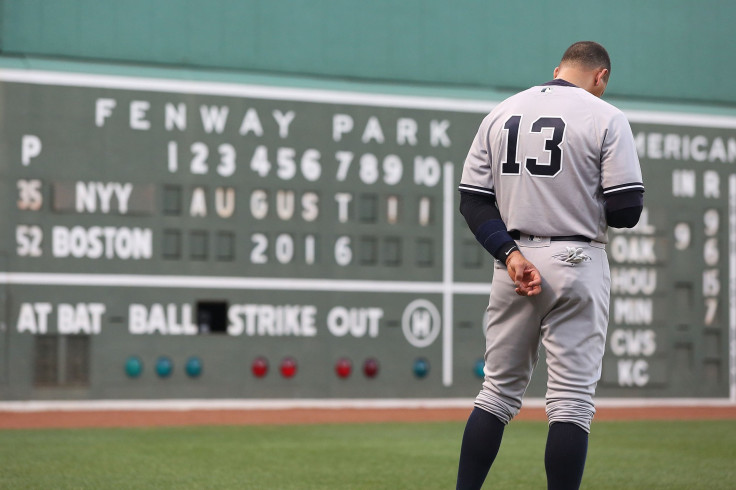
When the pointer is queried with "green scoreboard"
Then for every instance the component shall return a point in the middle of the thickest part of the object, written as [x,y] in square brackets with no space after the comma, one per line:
[188,239]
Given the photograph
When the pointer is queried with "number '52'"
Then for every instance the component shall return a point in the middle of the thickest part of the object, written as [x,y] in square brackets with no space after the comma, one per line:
[510,165]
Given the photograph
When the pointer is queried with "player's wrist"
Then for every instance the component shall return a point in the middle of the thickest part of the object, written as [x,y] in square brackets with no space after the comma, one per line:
[506,250]
[495,238]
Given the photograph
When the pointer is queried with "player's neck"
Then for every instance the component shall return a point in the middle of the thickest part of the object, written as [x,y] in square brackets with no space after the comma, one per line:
[576,79]
[585,79]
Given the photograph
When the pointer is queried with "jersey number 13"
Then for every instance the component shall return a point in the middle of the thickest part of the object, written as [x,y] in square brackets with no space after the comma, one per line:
[510,166]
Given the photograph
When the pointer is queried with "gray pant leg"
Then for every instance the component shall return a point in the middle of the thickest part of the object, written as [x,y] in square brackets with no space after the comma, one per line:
[574,337]
[512,347]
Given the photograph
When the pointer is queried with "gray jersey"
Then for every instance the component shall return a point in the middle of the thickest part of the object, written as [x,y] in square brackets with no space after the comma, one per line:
[549,155]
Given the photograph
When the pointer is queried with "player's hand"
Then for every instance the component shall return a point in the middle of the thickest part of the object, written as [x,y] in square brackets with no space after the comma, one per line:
[526,277]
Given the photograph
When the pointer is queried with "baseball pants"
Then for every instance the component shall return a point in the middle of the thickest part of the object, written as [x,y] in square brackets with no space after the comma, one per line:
[569,317]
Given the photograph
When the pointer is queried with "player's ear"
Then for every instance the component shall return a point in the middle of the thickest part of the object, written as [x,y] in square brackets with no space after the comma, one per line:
[600,82]
[557,70]
[601,76]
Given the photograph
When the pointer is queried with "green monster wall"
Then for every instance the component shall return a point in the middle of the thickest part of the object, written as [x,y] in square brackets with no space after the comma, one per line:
[663,49]
[195,196]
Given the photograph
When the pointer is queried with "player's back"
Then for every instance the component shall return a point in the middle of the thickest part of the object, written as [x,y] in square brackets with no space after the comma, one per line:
[546,145]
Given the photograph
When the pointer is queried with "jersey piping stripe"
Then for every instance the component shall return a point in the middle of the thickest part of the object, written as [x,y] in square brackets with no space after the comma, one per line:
[476,190]
[623,187]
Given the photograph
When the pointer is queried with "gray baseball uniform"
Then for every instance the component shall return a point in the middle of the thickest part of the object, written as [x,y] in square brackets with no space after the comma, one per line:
[551,156]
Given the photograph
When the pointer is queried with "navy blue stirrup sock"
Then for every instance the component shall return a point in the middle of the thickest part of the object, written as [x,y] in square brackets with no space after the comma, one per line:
[481,440]
[564,456]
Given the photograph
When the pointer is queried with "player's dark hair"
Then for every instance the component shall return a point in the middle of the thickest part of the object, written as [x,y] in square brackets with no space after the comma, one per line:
[589,54]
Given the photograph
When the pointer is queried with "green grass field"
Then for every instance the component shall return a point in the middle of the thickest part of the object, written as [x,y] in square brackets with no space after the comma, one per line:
[622,455]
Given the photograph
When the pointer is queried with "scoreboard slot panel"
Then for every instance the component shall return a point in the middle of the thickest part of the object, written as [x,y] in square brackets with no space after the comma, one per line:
[213,240]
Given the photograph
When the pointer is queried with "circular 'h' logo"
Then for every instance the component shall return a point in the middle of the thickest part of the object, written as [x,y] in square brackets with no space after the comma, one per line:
[421,323]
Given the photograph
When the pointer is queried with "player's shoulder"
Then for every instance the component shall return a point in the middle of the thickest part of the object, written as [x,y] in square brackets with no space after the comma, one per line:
[512,103]
[601,106]
[517,98]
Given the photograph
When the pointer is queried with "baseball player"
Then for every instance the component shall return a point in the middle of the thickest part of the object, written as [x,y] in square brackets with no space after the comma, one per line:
[550,169]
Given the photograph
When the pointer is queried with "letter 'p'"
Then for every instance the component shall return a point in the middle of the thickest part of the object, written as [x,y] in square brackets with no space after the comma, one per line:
[30,147]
